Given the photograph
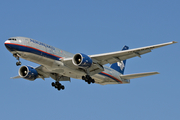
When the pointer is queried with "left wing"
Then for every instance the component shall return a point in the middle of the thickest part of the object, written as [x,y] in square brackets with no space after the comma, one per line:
[119,56]
[42,73]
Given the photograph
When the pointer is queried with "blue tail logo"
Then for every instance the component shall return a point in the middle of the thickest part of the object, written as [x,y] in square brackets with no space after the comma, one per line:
[120,66]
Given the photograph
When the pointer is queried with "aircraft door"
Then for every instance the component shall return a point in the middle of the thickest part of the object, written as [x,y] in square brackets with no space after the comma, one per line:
[25,42]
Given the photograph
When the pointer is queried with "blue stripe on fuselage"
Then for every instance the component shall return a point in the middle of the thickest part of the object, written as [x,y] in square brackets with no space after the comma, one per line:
[23,48]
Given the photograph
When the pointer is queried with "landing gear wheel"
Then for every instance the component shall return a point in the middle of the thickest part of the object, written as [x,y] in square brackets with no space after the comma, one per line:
[62,87]
[92,81]
[59,88]
[88,79]
[53,84]
[58,85]
[18,63]
[83,78]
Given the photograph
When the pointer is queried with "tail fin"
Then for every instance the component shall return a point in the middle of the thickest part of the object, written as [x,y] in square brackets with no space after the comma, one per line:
[120,66]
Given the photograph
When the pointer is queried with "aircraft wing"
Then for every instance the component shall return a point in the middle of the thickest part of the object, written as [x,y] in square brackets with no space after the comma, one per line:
[44,72]
[119,56]
[113,57]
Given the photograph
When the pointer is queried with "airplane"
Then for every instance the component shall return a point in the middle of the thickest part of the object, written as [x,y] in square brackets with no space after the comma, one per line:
[61,65]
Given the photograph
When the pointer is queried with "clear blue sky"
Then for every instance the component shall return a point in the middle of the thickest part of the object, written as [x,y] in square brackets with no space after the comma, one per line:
[93,27]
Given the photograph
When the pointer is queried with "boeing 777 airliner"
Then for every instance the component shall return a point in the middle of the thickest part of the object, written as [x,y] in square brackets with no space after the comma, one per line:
[61,65]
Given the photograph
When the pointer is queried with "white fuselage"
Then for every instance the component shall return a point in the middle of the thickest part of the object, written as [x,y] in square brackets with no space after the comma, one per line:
[52,59]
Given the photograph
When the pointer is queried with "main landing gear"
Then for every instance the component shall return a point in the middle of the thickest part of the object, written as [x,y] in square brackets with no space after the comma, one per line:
[58,85]
[88,79]
[17,57]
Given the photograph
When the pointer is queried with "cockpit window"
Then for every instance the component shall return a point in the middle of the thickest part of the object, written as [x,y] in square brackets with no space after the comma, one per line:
[12,39]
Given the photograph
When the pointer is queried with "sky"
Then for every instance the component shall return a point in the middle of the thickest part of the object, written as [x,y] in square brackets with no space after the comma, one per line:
[93,27]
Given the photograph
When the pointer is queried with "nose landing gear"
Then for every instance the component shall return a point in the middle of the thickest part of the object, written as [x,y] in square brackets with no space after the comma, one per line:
[18,63]
[17,58]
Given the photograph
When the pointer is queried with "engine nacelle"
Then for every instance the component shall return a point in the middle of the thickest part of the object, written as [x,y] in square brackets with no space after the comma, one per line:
[82,60]
[28,73]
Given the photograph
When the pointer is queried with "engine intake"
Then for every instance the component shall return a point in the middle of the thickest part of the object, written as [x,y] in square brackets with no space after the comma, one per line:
[28,73]
[82,60]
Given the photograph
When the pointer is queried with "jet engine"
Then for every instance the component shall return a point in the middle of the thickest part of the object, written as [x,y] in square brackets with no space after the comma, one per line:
[28,72]
[82,60]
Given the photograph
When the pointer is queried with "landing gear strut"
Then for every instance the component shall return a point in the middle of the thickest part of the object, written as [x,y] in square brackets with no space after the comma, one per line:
[58,85]
[17,57]
[88,79]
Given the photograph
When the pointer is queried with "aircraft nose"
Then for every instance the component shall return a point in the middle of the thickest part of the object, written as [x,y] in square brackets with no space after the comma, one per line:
[6,43]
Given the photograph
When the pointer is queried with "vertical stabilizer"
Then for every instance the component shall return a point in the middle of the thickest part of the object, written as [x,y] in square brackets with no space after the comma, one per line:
[120,66]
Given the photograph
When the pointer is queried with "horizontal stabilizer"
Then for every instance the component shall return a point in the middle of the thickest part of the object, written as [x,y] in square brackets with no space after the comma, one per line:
[138,75]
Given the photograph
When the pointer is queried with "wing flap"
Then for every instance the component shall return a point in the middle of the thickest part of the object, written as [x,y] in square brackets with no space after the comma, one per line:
[124,57]
[138,75]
